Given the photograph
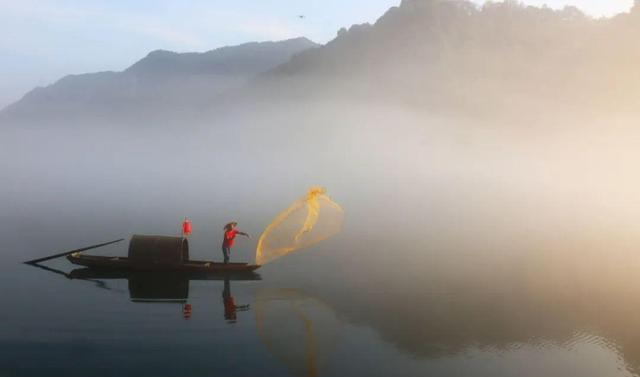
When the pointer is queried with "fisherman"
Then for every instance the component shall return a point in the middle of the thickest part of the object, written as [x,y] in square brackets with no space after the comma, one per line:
[230,233]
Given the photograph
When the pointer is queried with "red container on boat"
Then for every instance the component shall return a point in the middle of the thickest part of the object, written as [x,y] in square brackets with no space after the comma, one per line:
[186,227]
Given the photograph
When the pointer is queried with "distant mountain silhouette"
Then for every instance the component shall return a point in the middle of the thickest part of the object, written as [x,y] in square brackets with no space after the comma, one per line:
[455,57]
[248,59]
[442,56]
[163,81]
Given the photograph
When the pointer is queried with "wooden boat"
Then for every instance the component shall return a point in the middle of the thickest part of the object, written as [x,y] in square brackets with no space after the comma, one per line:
[157,253]
[88,273]
[126,263]
[152,286]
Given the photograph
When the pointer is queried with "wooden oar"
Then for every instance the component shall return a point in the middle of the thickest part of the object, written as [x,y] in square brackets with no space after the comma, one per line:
[34,261]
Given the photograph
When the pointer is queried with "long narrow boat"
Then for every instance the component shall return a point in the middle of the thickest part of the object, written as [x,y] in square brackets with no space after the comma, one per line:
[126,263]
[157,253]
[88,273]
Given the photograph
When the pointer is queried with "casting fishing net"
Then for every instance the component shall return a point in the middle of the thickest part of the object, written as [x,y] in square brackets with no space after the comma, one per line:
[307,221]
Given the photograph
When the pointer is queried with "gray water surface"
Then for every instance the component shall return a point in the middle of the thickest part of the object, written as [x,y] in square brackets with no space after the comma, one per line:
[361,304]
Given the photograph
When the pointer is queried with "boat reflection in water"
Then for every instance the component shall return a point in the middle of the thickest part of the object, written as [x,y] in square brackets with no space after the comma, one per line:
[300,330]
[157,286]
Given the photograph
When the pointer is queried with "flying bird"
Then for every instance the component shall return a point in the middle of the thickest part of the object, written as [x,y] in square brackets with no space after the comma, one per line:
[301,16]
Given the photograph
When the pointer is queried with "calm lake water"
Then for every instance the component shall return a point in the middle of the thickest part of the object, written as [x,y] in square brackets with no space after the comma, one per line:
[373,301]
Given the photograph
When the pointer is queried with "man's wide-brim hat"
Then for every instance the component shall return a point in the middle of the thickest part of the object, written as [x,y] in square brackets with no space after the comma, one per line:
[229,224]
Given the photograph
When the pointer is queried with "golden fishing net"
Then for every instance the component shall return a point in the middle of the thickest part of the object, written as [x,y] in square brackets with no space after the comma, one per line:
[300,330]
[307,221]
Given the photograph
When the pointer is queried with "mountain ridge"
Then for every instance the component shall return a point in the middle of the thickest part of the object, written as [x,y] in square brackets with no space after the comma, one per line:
[448,56]
[162,78]
[456,57]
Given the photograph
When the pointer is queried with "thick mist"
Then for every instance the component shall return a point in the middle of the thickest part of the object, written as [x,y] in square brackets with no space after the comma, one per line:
[390,167]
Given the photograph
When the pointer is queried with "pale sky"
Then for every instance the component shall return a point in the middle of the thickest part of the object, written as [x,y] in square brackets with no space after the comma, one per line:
[43,40]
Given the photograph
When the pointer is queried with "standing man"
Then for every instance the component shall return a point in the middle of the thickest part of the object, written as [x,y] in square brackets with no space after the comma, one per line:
[230,233]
